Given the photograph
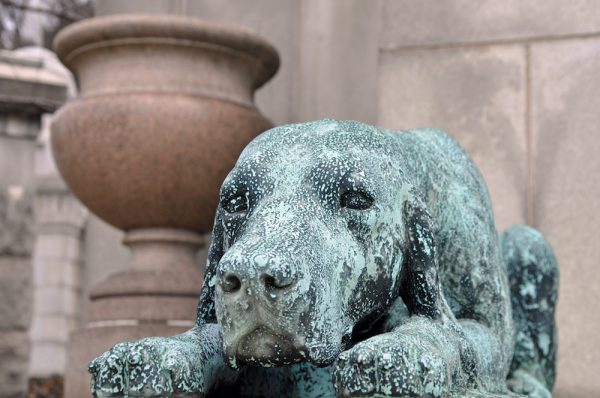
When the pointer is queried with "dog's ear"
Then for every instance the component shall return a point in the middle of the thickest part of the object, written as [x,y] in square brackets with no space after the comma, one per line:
[206,305]
[419,287]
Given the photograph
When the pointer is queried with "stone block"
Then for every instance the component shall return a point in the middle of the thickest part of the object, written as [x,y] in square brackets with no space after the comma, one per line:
[565,118]
[57,247]
[14,351]
[56,272]
[478,96]
[16,155]
[50,328]
[48,300]
[15,293]
[56,300]
[48,358]
[16,161]
[408,23]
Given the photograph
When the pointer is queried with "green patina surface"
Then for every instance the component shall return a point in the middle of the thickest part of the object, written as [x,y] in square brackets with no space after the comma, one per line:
[353,261]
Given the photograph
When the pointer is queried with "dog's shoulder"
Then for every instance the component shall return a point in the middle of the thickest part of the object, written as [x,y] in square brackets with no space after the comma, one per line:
[439,168]
[431,154]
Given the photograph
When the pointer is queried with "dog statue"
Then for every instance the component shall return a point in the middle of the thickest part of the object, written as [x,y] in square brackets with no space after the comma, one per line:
[352,261]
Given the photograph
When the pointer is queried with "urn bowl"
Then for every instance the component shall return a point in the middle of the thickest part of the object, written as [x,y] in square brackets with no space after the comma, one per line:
[165,107]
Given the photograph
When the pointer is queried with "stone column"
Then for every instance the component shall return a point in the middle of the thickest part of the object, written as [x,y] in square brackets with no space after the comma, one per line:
[56,279]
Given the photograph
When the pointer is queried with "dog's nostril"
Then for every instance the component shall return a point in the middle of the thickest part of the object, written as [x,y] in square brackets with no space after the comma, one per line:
[272,283]
[230,283]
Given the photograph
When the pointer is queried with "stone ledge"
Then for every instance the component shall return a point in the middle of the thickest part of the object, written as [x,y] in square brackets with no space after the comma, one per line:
[27,86]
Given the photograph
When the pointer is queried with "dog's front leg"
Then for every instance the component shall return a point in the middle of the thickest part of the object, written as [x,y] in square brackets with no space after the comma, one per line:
[186,365]
[422,357]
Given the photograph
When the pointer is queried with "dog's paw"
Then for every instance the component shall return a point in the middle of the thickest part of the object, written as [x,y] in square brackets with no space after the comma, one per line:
[152,367]
[392,366]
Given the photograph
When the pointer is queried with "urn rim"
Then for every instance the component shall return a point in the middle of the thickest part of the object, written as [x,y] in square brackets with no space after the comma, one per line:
[89,33]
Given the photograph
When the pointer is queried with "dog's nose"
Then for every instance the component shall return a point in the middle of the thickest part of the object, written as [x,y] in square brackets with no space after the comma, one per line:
[270,276]
[230,282]
[275,281]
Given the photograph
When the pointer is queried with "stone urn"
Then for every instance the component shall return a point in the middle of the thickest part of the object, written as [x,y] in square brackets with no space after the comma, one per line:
[165,107]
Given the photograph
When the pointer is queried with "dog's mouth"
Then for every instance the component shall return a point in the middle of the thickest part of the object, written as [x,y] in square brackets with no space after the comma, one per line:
[264,347]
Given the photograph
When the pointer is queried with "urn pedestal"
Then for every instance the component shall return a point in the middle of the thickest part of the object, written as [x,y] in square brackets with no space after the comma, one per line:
[165,107]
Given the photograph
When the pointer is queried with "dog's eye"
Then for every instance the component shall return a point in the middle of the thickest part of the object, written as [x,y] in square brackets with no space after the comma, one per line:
[235,204]
[356,200]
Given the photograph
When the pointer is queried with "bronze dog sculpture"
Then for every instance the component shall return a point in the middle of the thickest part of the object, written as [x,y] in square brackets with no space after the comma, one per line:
[352,261]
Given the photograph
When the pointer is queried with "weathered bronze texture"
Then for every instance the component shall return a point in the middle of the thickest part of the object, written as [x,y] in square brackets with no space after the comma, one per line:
[355,261]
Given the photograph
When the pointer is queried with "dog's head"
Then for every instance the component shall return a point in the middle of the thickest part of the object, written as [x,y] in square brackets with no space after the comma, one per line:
[310,239]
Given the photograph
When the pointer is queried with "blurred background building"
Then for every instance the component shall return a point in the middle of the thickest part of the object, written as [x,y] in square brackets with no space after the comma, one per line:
[516,82]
